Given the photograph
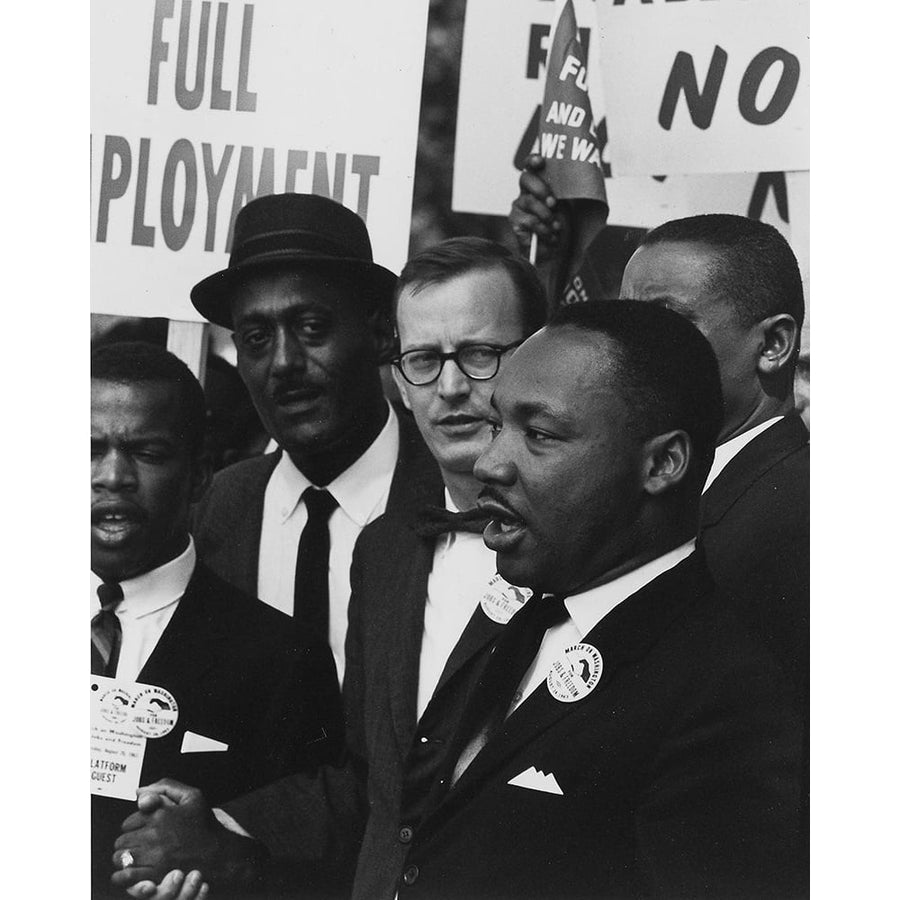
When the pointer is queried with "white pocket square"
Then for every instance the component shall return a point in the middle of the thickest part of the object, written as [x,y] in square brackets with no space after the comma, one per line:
[197,743]
[535,780]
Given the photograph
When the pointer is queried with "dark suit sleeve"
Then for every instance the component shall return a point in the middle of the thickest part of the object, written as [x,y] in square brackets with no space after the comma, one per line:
[723,811]
[227,521]
[298,727]
[315,820]
[759,554]
[309,820]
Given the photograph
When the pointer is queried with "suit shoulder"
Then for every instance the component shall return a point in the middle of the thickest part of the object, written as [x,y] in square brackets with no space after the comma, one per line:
[247,471]
[229,492]
[240,613]
[385,538]
[777,502]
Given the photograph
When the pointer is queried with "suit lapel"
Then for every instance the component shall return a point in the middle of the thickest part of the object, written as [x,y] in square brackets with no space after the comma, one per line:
[749,465]
[246,553]
[406,575]
[416,483]
[417,480]
[624,635]
[190,644]
[478,632]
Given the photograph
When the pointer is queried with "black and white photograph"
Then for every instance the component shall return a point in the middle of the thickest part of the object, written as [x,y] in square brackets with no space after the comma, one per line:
[449,385]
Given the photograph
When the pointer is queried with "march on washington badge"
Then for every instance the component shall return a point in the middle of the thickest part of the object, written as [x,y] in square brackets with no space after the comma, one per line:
[154,711]
[502,600]
[576,674]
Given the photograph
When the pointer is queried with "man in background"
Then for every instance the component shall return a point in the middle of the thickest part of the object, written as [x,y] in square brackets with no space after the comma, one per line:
[738,281]
[310,314]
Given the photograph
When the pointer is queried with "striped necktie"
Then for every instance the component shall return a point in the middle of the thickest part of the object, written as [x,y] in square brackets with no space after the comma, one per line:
[106,631]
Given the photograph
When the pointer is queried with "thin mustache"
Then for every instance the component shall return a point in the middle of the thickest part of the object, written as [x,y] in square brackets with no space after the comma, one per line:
[488,493]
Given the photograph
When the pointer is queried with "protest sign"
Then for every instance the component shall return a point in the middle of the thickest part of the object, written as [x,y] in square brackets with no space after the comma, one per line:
[568,138]
[197,108]
[504,54]
[702,86]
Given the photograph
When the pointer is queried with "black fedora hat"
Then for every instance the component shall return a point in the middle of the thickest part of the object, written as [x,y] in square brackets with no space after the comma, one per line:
[302,231]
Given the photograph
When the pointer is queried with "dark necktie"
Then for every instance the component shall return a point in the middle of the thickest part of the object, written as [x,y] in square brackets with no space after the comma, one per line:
[433,521]
[106,631]
[513,654]
[311,573]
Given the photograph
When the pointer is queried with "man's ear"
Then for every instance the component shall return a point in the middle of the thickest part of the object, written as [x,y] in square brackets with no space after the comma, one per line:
[382,330]
[780,335]
[201,473]
[667,459]
[402,387]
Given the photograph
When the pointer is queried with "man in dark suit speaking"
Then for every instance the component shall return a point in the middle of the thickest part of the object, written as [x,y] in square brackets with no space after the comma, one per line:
[243,703]
[626,737]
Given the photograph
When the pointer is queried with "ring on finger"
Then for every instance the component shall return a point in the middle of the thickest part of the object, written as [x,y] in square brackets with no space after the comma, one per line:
[126,859]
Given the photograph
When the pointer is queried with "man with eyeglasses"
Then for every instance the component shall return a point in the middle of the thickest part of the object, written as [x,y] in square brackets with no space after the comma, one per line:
[426,599]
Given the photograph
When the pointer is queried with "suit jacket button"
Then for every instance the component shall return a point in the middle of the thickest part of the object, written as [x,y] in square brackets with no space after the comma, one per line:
[410,875]
[406,834]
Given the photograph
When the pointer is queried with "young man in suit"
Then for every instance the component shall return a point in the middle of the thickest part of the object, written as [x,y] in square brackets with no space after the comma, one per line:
[738,281]
[310,315]
[625,737]
[419,574]
[251,704]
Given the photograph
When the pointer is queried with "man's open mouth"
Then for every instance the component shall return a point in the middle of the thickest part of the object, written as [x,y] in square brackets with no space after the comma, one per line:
[506,527]
[114,523]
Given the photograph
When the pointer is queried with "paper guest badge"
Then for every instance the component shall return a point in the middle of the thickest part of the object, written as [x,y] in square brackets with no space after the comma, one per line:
[502,600]
[124,714]
[117,748]
[576,674]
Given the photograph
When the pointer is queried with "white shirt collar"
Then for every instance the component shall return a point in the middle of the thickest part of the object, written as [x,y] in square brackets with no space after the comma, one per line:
[153,590]
[446,541]
[727,451]
[588,608]
[358,488]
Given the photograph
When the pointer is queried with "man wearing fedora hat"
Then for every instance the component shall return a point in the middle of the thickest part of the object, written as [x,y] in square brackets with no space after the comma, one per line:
[309,311]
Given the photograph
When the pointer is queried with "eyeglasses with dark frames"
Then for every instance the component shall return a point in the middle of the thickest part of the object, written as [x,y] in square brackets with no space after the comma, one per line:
[480,362]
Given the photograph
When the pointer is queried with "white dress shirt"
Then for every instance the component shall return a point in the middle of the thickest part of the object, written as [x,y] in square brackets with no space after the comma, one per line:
[726,452]
[148,604]
[460,573]
[361,492]
[587,609]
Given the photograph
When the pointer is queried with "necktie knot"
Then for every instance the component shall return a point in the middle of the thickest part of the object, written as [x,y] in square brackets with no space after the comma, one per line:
[110,595]
[106,631]
[536,616]
[320,503]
